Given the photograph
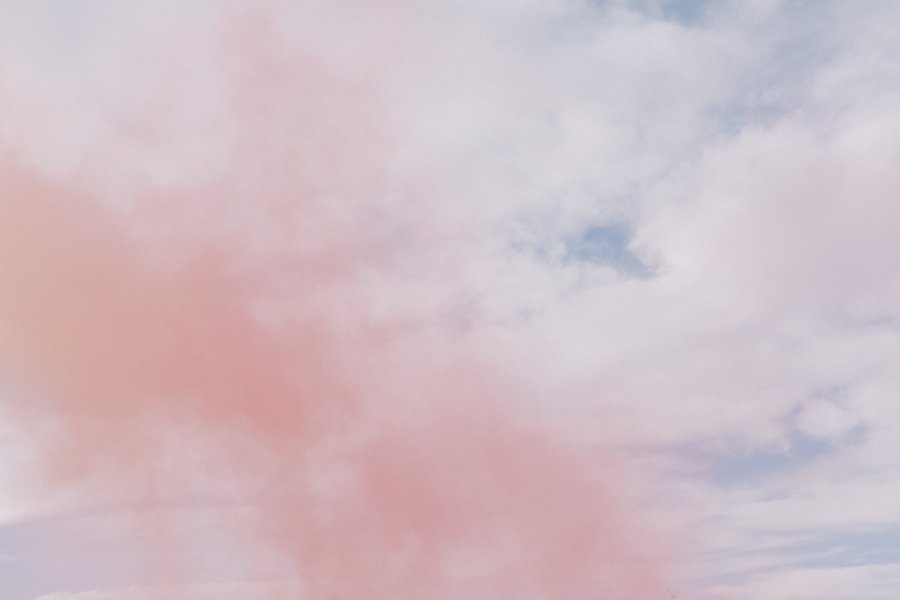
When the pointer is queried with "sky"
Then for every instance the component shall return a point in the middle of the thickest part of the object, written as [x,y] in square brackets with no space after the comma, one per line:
[533,299]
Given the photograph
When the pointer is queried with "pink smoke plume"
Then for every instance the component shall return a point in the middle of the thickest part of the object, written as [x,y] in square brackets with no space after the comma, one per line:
[236,332]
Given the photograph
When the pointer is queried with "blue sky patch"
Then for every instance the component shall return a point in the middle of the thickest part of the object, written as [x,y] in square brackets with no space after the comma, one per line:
[609,245]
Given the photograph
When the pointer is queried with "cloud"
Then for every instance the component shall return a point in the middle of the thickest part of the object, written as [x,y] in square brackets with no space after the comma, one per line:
[210,591]
[868,582]
[665,230]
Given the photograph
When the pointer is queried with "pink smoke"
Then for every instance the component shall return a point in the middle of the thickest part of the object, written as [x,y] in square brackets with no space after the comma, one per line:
[248,312]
